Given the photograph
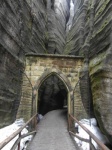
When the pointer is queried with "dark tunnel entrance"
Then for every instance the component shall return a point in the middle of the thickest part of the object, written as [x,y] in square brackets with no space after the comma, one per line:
[52,95]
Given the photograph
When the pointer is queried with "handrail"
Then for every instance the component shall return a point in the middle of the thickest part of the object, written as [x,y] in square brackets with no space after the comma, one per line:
[101,145]
[12,136]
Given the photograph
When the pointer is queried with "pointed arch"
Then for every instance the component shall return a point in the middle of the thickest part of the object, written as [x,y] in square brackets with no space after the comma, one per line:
[47,73]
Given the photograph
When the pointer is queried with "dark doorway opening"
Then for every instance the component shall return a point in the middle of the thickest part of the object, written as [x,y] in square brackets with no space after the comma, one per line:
[52,95]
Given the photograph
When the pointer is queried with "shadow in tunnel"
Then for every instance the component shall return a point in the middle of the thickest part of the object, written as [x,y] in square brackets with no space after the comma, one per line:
[52,95]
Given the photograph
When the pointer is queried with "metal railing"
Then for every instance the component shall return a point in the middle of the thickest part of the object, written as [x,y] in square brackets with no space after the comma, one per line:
[32,121]
[72,131]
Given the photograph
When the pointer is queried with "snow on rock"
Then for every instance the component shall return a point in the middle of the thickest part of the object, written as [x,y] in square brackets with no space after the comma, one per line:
[91,125]
[40,116]
[7,131]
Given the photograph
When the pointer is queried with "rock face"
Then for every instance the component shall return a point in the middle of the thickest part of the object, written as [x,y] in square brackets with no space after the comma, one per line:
[26,26]
[77,27]
[90,35]
[21,28]
[19,35]
[57,17]
[10,86]
[100,66]
[76,35]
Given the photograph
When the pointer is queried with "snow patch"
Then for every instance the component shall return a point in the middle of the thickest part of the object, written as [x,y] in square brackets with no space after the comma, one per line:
[90,124]
[7,131]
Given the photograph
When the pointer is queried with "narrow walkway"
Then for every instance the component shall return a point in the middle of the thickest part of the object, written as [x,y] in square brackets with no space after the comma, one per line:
[52,133]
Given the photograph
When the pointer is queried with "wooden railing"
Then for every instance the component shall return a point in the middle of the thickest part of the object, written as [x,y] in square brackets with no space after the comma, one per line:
[32,121]
[71,128]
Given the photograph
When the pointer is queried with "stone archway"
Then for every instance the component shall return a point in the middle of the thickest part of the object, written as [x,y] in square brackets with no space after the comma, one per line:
[38,68]
[48,73]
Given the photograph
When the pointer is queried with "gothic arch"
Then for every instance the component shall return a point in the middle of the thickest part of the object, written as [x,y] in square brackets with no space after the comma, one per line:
[47,73]
[44,76]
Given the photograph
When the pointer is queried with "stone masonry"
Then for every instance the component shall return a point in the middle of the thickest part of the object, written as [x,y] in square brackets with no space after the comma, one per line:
[38,68]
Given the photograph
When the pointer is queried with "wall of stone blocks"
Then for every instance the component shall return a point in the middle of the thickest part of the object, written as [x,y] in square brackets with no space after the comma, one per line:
[25,107]
[79,110]
[37,65]
[69,66]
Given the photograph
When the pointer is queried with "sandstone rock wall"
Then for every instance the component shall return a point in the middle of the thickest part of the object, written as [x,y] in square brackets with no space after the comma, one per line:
[10,86]
[75,37]
[100,40]
[33,26]
[44,26]
[100,65]
[22,26]
[90,35]
[57,17]
[27,26]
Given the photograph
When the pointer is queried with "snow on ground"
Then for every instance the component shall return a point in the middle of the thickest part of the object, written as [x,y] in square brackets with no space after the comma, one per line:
[7,131]
[92,126]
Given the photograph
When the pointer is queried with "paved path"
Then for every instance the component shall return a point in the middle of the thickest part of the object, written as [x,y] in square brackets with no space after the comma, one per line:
[52,133]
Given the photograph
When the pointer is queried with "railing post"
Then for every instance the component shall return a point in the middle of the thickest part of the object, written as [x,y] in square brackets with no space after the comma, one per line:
[35,119]
[90,142]
[69,122]
[19,142]
[92,136]
[16,133]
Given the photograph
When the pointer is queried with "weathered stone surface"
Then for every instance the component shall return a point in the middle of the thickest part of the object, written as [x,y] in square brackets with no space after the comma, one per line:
[33,26]
[10,86]
[101,81]
[79,106]
[75,37]
[85,89]
[90,35]
[58,15]
[21,28]
[40,69]
[27,26]
[21,31]
[51,26]
[100,65]
[100,40]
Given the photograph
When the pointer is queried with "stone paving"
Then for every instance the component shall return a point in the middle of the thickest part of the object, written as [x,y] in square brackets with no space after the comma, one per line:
[52,133]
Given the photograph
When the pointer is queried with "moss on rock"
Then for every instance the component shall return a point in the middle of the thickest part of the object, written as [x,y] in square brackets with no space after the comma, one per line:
[102,8]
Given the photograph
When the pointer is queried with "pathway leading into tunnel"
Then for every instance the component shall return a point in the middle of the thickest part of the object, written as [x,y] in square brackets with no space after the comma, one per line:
[52,133]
